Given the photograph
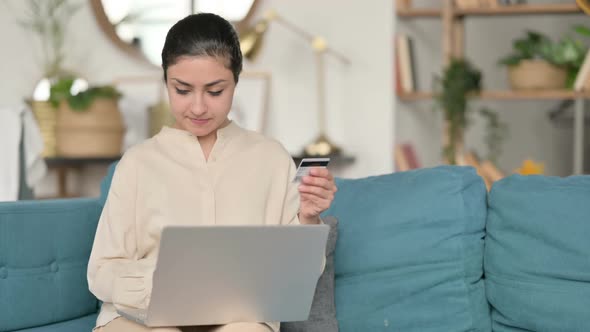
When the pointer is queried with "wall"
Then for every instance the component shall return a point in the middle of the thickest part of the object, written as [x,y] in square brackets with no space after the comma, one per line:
[531,133]
[359,98]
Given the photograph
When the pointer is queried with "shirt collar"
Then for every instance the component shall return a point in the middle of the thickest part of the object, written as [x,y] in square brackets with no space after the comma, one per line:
[227,132]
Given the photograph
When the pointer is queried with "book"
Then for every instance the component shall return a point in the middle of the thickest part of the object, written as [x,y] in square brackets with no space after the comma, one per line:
[405,157]
[413,75]
[401,163]
[403,55]
[399,90]
[411,157]
[583,76]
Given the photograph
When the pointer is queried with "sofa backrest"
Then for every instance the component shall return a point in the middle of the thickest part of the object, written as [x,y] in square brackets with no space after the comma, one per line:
[410,250]
[44,250]
[537,256]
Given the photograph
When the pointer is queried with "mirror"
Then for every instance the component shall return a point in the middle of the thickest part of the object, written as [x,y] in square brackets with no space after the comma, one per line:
[139,27]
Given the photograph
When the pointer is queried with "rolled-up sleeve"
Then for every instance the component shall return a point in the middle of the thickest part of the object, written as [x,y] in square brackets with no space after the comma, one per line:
[115,272]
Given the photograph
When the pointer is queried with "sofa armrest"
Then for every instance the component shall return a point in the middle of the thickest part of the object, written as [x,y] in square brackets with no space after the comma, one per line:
[44,251]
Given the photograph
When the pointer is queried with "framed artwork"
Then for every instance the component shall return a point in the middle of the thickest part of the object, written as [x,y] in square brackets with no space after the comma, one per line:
[251,101]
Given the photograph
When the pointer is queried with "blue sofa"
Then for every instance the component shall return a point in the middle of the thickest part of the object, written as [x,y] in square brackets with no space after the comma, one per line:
[419,251]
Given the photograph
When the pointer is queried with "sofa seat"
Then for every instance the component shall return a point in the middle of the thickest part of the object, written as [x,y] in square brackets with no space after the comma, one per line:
[85,323]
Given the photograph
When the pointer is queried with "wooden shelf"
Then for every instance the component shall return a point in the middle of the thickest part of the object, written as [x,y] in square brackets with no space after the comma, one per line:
[532,95]
[559,8]
[507,95]
[419,12]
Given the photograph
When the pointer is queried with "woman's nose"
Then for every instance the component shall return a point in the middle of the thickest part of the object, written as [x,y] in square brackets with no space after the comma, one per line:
[198,106]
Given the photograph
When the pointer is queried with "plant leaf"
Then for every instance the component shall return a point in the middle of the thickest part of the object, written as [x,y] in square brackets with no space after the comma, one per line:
[582,30]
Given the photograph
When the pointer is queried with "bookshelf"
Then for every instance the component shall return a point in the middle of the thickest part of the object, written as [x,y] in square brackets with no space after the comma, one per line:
[453,31]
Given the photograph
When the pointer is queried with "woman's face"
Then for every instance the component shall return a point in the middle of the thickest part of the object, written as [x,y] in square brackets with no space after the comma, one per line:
[200,90]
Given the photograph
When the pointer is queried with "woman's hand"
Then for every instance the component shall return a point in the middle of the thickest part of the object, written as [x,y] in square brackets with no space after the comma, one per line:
[317,193]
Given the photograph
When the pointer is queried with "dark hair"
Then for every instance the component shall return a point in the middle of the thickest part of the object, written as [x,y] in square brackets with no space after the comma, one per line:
[203,34]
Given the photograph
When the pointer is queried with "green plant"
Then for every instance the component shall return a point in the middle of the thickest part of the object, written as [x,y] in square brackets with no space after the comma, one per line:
[48,19]
[61,91]
[461,80]
[569,52]
[496,131]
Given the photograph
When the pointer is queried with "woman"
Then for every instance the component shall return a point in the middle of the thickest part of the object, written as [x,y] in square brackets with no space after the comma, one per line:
[205,170]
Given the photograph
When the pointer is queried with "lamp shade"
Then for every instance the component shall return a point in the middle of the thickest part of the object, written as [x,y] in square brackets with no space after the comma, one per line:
[585,5]
[251,40]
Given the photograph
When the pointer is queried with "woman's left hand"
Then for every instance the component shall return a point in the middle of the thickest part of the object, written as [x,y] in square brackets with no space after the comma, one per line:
[317,193]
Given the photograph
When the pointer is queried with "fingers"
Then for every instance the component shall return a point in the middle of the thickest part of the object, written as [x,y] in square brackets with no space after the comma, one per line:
[320,177]
[320,203]
[317,182]
[317,191]
[322,173]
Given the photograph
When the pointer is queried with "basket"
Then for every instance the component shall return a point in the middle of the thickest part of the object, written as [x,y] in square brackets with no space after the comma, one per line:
[46,116]
[93,133]
[537,75]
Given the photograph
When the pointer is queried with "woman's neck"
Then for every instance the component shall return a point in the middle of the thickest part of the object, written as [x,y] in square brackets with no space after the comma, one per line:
[208,142]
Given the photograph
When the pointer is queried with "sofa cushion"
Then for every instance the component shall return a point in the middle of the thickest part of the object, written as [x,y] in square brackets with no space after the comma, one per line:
[83,324]
[409,253]
[322,317]
[44,250]
[537,257]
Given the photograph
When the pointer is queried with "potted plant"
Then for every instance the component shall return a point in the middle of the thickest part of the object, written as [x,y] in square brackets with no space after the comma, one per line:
[461,81]
[539,63]
[48,19]
[89,123]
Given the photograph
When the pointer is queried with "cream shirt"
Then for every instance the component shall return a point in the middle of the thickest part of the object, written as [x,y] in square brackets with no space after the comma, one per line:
[166,179]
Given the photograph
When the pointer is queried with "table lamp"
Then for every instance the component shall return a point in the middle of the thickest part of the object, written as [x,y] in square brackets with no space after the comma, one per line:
[585,5]
[251,42]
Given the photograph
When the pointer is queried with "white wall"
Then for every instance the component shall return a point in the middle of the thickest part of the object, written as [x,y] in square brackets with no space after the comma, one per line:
[532,134]
[359,98]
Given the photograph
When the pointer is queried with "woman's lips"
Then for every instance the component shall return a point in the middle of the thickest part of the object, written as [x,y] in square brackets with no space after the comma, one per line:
[199,122]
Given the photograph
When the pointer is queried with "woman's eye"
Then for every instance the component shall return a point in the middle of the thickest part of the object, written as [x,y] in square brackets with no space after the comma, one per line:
[215,93]
[182,92]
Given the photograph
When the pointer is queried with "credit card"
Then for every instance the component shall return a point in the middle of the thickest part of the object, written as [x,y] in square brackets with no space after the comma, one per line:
[307,164]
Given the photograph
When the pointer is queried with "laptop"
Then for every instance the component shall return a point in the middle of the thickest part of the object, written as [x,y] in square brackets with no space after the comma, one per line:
[214,275]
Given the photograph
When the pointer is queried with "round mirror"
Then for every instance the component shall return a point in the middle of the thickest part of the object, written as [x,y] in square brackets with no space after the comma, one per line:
[139,27]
